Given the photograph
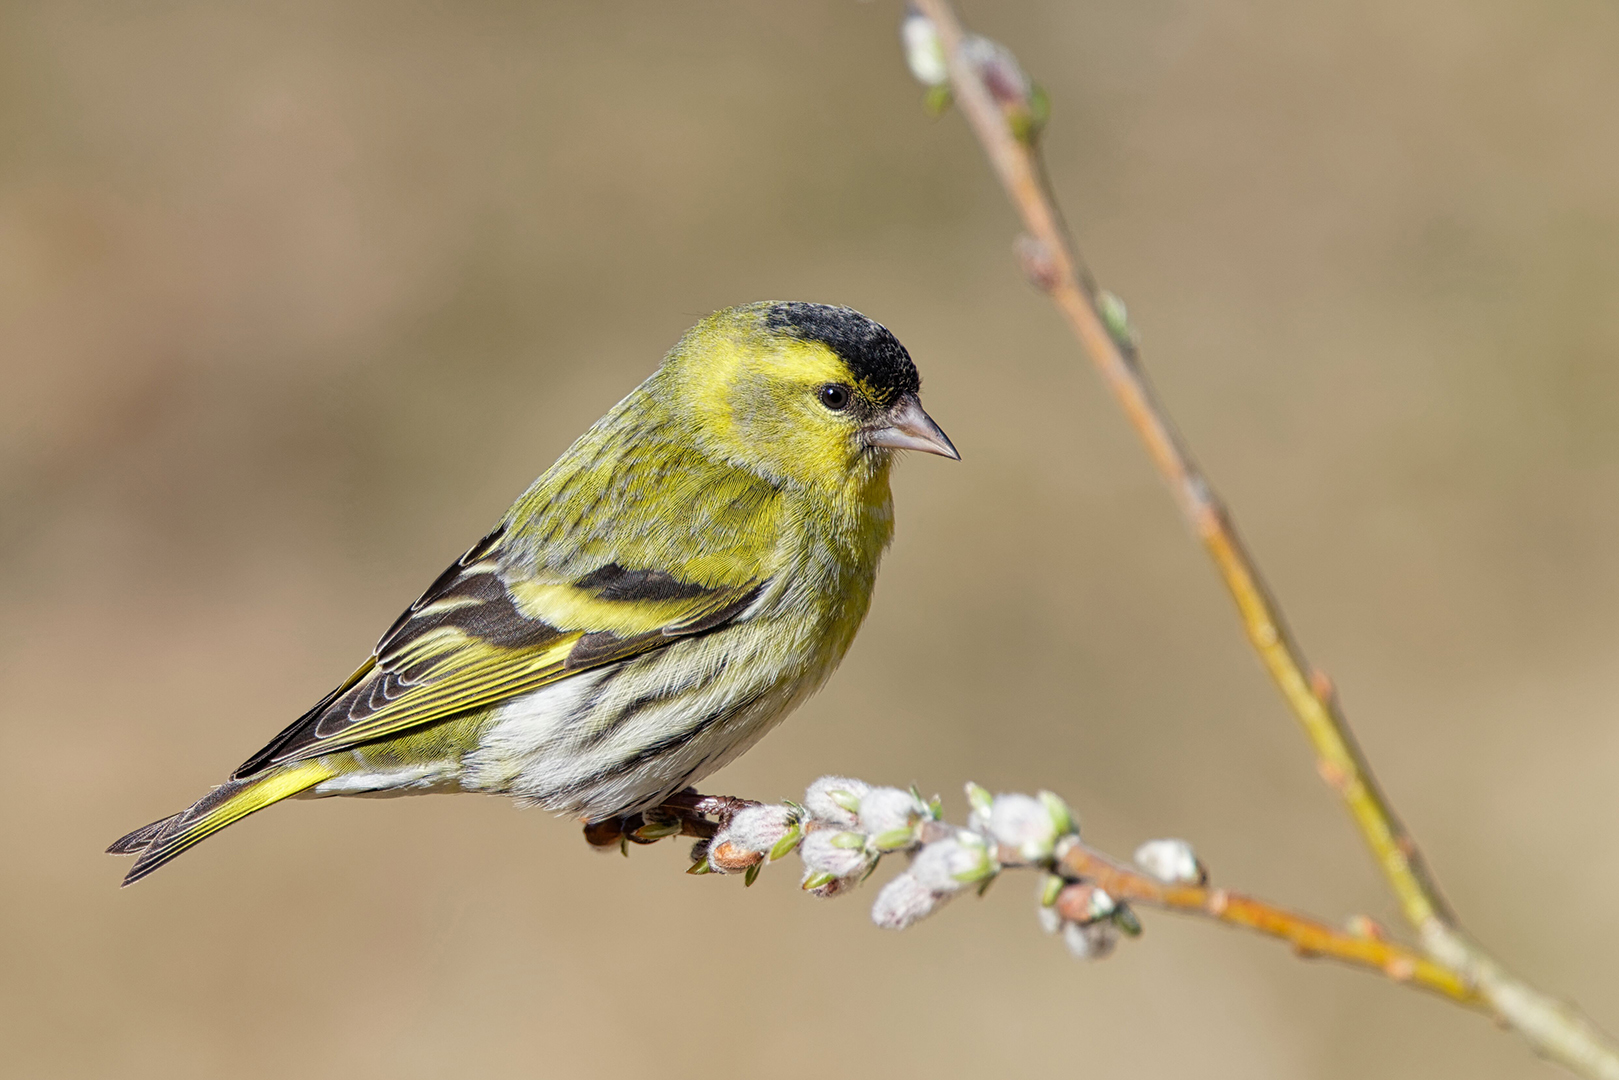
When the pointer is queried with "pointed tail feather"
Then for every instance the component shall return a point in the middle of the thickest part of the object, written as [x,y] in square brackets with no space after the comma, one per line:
[161,841]
[137,841]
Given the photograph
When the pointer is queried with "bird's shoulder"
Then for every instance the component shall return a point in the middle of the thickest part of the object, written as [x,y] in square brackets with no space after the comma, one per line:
[649,499]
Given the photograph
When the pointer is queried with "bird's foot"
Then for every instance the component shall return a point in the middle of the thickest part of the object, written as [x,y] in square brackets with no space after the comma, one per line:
[685,813]
[697,808]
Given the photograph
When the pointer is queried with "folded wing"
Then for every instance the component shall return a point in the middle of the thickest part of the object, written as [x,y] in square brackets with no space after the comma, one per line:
[475,639]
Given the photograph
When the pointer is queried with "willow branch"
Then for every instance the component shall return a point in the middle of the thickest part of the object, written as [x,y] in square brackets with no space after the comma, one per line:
[1085,888]
[1552,1027]
[1309,937]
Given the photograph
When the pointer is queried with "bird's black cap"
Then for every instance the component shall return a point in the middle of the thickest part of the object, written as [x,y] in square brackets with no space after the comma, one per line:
[875,356]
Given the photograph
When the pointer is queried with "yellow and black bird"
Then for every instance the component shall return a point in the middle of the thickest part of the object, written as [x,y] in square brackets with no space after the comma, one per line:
[691,569]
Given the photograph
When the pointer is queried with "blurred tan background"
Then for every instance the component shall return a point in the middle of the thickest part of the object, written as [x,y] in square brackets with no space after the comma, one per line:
[294,298]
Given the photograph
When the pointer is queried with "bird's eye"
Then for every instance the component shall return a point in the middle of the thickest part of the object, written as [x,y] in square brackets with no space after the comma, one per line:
[834,396]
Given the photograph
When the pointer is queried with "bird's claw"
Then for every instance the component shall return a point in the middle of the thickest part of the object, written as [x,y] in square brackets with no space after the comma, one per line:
[685,813]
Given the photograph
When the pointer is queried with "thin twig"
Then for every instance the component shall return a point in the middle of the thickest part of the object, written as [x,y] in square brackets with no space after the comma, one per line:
[1554,1028]
[1307,936]
[688,814]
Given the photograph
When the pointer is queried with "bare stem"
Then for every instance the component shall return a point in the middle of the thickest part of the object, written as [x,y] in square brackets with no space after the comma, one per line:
[689,814]
[1552,1027]
[1308,936]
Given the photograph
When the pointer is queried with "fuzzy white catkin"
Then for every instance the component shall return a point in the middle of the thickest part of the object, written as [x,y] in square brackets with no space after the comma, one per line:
[723,858]
[758,828]
[924,54]
[1090,941]
[819,802]
[1024,823]
[941,865]
[905,901]
[1170,861]
[997,66]
[822,856]
[884,809]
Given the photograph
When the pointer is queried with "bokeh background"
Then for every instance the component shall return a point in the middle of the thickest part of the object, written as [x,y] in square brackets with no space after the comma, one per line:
[295,297]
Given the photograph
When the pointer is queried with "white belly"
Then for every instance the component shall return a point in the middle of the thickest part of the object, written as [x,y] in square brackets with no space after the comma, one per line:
[622,739]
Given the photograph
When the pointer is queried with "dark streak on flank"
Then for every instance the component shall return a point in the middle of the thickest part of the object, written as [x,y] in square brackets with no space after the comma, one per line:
[875,356]
[624,715]
[663,746]
[702,679]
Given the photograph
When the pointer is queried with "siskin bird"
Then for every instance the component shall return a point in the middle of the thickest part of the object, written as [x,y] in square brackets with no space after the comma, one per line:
[690,570]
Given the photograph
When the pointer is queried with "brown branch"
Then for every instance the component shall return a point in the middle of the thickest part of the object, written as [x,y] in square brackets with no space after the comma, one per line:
[1552,1027]
[688,814]
[1307,936]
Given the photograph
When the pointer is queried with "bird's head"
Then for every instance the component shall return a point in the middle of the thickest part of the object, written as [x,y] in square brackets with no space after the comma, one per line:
[811,394]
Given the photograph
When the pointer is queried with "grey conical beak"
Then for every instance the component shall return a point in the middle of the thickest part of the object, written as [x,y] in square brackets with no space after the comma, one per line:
[907,427]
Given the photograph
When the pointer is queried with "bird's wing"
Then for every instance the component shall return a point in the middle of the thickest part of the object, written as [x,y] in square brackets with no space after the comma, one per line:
[475,639]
